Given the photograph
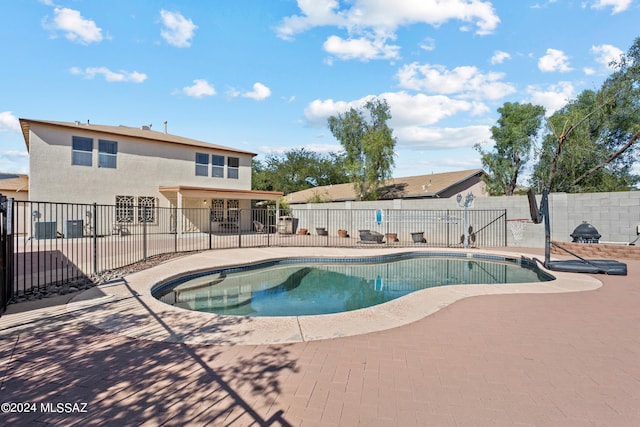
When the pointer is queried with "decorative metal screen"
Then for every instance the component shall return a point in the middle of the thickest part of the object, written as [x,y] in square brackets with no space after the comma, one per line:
[217,210]
[124,209]
[146,209]
[233,210]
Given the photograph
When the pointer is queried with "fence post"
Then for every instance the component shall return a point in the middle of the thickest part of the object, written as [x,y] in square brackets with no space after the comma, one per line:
[448,228]
[328,228]
[239,223]
[504,214]
[175,229]
[95,237]
[144,232]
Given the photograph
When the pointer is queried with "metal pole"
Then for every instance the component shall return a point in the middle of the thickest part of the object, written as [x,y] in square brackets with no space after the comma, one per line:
[95,237]
[210,236]
[238,224]
[175,229]
[466,227]
[144,232]
[328,228]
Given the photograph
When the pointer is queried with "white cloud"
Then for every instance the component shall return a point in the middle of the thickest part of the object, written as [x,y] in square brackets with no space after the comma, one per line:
[16,155]
[381,16]
[259,92]
[314,13]
[110,76]
[553,98]
[371,23]
[177,30]
[419,138]
[9,122]
[499,57]
[466,81]
[428,44]
[606,53]
[76,28]
[589,71]
[318,111]
[617,5]
[316,148]
[554,60]
[407,110]
[362,48]
[199,89]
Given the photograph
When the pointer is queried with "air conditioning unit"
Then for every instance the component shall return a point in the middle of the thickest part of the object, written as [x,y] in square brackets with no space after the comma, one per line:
[73,228]
[44,230]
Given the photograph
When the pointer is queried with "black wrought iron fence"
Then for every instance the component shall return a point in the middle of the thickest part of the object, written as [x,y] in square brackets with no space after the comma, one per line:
[57,243]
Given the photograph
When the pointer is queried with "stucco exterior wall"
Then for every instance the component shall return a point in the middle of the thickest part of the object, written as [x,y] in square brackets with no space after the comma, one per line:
[615,215]
[142,166]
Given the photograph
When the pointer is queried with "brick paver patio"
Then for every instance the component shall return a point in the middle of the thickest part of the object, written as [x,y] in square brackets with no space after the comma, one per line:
[502,360]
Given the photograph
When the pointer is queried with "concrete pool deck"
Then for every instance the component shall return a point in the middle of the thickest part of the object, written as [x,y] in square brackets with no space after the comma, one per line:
[111,307]
[528,359]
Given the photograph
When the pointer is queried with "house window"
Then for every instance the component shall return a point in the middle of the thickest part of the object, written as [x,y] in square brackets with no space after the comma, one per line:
[217,210]
[146,209]
[202,164]
[124,209]
[107,153]
[233,210]
[82,151]
[233,163]
[217,170]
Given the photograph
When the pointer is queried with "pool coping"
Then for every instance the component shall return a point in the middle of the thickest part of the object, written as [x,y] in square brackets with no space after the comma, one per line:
[126,306]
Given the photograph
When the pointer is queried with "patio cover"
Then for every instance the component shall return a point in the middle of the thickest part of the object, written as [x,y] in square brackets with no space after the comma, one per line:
[181,191]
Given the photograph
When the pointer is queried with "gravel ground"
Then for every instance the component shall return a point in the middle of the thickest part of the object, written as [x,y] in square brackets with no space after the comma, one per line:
[83,283]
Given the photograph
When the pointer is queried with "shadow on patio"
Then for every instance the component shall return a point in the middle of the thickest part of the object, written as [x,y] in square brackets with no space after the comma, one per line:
[133,381]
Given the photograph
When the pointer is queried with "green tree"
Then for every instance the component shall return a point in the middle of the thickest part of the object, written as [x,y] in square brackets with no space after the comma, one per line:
[298,169]
[368,143]
[592,140]
[514,134]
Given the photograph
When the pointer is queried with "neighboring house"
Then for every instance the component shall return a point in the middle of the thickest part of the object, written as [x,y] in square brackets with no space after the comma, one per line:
[14,186]
[435,185]
[134,167]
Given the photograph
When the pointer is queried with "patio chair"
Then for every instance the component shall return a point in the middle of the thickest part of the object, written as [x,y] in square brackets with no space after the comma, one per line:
[259,227]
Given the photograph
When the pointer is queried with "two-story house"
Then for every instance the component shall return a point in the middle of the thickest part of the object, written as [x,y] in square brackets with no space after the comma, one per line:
[133,168]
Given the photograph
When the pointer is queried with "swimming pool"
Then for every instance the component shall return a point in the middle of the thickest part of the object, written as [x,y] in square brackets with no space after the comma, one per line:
[312,286]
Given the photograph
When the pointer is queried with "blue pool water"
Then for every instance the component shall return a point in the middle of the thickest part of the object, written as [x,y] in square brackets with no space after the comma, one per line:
[297,287]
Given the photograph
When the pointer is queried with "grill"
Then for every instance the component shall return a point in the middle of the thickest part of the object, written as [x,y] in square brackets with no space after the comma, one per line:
[585,233]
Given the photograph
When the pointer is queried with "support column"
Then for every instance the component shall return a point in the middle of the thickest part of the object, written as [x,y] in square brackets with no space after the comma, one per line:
[179,215]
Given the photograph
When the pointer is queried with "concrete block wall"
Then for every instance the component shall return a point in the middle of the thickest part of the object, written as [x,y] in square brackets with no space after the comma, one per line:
[615,215]
[598,251]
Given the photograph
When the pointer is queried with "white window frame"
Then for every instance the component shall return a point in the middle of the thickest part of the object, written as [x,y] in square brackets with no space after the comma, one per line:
[233,171]
[79,156]
[217,166]
[202,169]
[107,159]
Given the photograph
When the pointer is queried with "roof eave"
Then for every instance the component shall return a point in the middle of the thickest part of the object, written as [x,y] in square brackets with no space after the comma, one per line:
[26,123]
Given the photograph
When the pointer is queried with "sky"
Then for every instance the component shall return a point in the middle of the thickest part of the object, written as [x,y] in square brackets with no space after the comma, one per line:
[264,75]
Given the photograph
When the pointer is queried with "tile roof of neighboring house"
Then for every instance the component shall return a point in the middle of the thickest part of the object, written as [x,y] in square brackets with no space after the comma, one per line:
[432,185]
[14,182]
[139,133]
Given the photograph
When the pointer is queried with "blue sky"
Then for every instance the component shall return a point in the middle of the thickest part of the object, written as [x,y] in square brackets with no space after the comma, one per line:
[264,75]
